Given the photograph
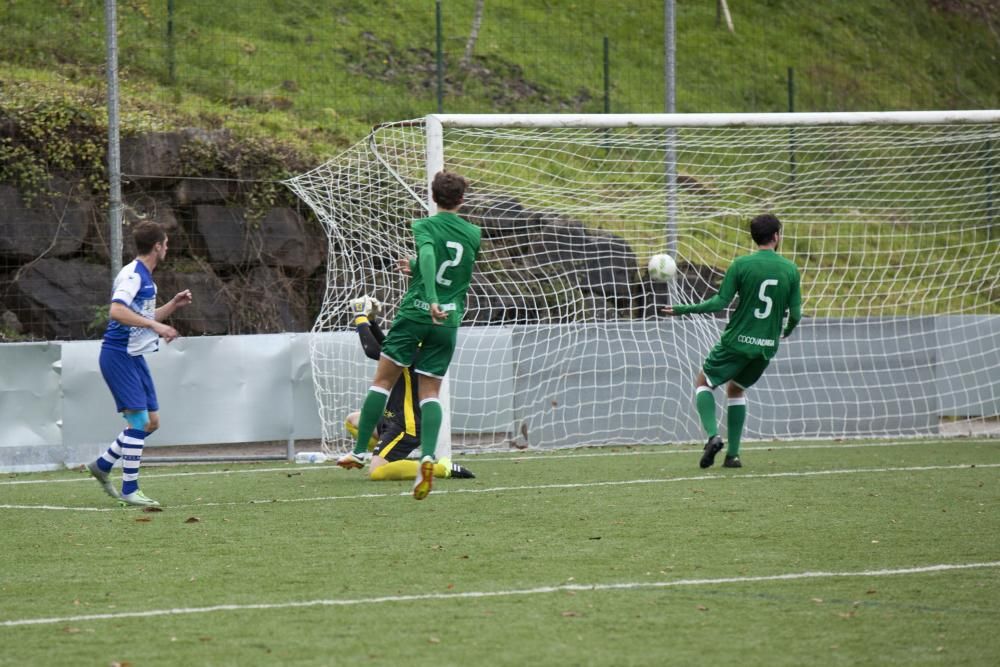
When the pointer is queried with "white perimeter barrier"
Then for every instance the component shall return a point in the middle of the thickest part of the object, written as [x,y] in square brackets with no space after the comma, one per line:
[55,409]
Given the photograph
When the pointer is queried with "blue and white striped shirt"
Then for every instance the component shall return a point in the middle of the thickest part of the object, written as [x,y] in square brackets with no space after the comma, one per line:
[134,288]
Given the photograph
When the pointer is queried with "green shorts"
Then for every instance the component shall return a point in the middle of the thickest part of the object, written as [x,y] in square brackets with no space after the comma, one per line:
[435,342]
[722,365]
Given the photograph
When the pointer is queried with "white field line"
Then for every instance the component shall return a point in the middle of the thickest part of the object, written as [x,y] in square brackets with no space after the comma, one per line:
[540,590]
[56,507]
[534,487]
[688,450]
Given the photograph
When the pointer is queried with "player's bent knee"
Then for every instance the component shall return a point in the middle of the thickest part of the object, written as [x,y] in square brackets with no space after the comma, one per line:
[138,419]
[376,469]
[351,426]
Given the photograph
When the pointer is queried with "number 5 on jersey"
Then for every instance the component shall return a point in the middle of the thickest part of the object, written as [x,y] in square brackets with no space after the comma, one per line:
[768,303]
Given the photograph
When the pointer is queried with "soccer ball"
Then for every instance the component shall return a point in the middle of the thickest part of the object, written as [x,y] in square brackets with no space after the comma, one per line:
[662,268]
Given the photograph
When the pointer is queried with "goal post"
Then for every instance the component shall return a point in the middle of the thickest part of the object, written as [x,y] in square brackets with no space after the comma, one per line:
[891,218]
[435,163]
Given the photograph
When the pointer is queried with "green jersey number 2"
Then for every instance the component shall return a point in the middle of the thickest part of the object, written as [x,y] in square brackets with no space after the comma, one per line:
[768,303]
[457,247]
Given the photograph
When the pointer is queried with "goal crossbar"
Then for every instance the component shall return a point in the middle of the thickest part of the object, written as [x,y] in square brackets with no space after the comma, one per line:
[717,119]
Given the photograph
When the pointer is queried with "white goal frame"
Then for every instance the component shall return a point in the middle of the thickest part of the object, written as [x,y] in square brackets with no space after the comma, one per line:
[436,126]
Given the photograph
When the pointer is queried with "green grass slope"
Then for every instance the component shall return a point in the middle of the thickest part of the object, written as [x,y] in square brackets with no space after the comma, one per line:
[319,74]
[316,76]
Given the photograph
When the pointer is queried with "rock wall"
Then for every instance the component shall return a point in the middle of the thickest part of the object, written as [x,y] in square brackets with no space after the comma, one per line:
[264,270]
[248,272]
[541,268]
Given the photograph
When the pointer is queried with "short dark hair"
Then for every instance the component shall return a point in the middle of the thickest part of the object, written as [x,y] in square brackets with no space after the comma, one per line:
[448,189]
[764,227]
[146,235]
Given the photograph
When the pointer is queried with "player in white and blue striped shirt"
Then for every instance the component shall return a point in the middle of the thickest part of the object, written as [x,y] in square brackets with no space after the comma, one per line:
[135,326]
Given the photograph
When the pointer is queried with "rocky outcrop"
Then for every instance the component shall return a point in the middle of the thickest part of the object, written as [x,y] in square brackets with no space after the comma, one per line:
[549,268]
[248,272]
[65,299]
[55,224]
[153,156]
[263,271]
[280,239]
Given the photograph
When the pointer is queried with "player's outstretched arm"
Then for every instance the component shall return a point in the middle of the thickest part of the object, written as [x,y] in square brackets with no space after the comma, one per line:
[376,330]
[372,347]
[722,299]
[362,308]
[713,305]
[180,300]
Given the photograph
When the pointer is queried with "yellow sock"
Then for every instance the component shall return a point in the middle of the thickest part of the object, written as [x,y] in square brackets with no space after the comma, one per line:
[405,469]
[352,431]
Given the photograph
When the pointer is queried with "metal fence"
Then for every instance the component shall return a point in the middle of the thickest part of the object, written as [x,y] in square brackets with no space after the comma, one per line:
[339,58]
[241,75]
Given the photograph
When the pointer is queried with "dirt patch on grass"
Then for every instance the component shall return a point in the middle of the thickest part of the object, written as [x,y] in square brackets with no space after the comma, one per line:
[987,11]
[503,82]
[984,9]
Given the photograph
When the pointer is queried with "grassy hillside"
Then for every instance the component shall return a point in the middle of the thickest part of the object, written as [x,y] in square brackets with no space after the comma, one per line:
[320,74]
[316,76]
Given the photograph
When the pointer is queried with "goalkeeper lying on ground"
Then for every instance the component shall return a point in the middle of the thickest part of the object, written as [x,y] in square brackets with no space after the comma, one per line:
[398,432]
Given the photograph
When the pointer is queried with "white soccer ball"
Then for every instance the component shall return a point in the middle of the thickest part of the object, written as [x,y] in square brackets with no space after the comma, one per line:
[662,268]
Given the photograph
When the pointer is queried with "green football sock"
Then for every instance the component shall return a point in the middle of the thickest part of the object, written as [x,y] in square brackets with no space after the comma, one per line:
[705,402]
[371,412]
[736,416]
[430,424]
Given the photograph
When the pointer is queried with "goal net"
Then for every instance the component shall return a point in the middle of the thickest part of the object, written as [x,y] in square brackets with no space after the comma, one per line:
[891,218]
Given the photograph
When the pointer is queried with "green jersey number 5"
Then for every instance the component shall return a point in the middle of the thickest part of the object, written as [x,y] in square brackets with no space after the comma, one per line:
[457,247]
[768,303]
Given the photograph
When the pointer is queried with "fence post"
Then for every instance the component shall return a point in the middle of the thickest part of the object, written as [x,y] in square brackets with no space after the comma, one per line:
[670,106]
[171,56]
[990,211]
[791,131]
[440,56]
[114,149]
[607,76]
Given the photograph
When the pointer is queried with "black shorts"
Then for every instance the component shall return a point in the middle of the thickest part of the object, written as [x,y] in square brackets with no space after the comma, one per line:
[394,443]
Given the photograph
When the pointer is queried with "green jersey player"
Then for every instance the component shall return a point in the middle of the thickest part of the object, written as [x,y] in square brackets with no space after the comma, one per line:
[768,288]
[428,320]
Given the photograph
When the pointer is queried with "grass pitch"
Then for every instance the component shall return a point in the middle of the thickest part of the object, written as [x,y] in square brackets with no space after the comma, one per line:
[818,553]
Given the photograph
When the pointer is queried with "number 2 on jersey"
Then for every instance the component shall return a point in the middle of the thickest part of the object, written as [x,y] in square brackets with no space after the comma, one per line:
[439,278]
